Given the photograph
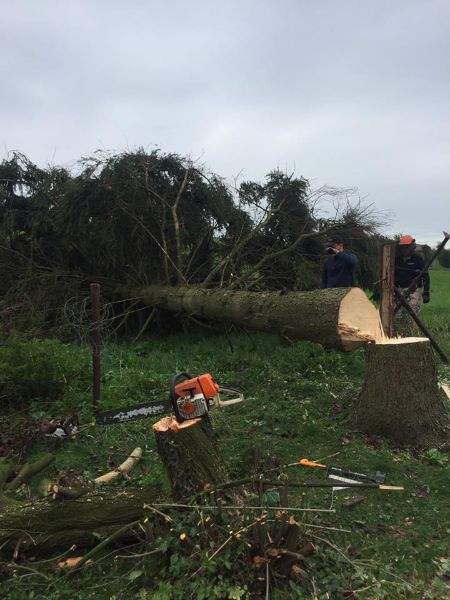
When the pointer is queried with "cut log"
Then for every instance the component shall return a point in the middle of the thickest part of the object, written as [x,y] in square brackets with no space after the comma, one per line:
[342,318]
[401,398]
[45,524]
[190,455]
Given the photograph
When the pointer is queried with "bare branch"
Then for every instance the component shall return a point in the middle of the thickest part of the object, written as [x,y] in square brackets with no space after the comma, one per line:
[176,224]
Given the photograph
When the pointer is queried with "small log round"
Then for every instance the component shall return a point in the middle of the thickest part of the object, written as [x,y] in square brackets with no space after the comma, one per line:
[190,455]
[401,397]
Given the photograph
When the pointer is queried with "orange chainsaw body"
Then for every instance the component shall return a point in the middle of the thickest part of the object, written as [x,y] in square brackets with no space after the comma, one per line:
[203,384]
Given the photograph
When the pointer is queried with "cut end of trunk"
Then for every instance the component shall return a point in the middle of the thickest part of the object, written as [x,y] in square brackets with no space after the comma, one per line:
[171,424]
[358,321]
[406,340]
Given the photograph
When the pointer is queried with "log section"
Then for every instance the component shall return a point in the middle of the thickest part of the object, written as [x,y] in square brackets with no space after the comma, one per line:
[45,524]
[341,318]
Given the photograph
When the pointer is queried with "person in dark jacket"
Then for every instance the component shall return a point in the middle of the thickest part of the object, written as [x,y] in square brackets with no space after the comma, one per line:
[338,270]
[408,264]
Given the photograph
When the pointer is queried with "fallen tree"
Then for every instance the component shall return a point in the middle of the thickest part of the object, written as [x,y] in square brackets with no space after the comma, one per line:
[341,318]
[44,524]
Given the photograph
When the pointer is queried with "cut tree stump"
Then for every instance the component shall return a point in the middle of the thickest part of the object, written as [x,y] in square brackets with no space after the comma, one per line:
[190,455]
[401,397]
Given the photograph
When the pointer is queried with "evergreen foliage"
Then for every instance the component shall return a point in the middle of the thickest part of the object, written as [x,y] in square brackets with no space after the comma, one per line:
[139,218]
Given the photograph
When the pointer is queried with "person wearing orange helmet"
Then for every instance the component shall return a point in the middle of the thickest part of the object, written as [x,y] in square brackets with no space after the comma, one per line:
[408,264]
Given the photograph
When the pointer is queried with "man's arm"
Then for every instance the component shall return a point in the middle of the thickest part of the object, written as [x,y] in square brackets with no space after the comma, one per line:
[425,280]
[348,258]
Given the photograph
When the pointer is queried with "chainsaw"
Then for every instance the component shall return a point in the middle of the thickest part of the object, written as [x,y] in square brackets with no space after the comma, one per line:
[189,398]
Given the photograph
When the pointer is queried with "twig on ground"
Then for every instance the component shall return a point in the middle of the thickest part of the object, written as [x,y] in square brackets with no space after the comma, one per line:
[242,507]
[103,544]
[122,469]
[141,555]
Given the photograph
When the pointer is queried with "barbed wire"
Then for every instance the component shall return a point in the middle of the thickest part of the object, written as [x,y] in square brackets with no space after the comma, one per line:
[77,315]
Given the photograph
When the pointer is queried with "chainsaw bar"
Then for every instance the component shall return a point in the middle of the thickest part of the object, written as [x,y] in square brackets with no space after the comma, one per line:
[133,413]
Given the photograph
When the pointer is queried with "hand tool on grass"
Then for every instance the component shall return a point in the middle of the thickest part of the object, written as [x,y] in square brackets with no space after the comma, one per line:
[328,484]
[377,477]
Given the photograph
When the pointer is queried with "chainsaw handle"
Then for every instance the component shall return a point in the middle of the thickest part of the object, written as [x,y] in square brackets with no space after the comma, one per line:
[228,390]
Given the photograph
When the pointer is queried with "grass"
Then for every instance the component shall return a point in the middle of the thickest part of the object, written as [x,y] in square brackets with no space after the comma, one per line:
[436,313]
[298,403]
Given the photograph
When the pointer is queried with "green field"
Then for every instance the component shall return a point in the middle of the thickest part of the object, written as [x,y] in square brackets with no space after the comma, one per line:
[298,403]
[436,314]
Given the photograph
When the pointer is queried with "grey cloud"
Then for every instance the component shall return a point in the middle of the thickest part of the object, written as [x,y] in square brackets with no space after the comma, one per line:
[347,93]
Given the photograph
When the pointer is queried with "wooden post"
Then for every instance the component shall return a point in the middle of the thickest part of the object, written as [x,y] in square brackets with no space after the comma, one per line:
[387,289]
[96,344]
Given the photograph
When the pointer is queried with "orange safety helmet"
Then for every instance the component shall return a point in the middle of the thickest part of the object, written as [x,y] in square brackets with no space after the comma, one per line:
[406,240]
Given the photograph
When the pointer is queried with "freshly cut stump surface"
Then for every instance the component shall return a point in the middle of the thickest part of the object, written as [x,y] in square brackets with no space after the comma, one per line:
[401,397]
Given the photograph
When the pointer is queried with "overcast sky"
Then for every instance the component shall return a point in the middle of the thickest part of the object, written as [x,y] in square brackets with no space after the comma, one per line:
[352,93]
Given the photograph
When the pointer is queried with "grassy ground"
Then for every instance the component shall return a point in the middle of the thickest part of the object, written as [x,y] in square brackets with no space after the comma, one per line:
[298,404]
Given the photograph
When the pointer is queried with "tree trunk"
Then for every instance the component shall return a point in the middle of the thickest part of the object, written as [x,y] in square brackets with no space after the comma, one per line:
[341,318]
[401,397]
[190,455]
[46,524]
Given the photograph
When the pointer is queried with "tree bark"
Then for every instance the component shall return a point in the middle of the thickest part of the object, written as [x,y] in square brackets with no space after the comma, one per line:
[190,455]
[44,524]
[341,318]
[401,397]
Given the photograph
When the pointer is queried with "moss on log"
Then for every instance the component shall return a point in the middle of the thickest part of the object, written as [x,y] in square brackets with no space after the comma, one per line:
[341,318]
[28,470]
[7,469]
[401,398]
[45,524]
